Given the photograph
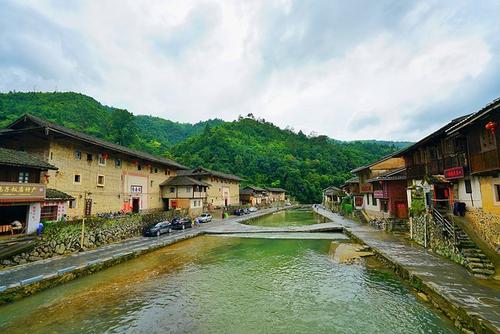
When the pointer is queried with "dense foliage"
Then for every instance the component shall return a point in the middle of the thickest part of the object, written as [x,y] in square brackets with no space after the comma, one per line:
[83,113]
[266,155]
[260,152]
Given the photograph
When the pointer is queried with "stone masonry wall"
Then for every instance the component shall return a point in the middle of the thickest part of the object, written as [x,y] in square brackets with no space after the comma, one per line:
[61,238]
[436,240]
[487,226]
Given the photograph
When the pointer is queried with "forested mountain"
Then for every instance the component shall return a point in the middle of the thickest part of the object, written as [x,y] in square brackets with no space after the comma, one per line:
[259,151]
[266,155]
[83,113]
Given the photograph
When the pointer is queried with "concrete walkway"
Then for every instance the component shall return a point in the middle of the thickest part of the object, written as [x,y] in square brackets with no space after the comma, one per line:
[236,228]
[34,272]
[477,299]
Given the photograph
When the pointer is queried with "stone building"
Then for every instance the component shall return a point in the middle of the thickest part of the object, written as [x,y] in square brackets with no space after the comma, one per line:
[254,196]
[99,175]
[223,189]
[276,194]
[184,192]
[22,190]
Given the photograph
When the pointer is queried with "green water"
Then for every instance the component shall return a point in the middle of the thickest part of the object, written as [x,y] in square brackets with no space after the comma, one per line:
[296,217]
[229,285]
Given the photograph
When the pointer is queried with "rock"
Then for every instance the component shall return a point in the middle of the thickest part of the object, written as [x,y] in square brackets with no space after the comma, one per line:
[423,296]
[60,249]
[6,262]
[22,261]
[34,258]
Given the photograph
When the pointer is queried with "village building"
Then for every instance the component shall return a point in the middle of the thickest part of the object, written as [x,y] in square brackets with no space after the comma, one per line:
[375,191]
[100,176]
[223,189]
[184,192]
[276,194]
[253,196]
[22,191]
[332,197]
[479,175]
[439,165]
[351,188]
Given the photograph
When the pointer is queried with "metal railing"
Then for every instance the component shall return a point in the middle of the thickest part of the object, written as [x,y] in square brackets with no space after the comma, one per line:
[447,226]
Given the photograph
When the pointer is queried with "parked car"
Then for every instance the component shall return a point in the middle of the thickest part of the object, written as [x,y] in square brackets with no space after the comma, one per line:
[239,212]
[181,223]
[158,229]
[205,218]
[246,211]
[252,209]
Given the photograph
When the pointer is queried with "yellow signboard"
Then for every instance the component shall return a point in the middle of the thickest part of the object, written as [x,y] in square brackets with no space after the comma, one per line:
[18,191]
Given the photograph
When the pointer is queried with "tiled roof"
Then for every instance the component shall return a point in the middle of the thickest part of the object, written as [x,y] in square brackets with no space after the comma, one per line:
[181,180]
[22,159]
[276,190]
[54,194]
[392,175]
[465,121]
[95,141]
[258,189]
[201,171]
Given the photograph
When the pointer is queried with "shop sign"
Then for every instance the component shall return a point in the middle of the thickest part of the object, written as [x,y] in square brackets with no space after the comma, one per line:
[454,173]
[378,194]
[358,201]
[136,189]
[20,191]
[366,188]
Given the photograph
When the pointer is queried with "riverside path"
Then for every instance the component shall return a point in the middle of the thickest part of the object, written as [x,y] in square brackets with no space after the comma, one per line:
[473,302]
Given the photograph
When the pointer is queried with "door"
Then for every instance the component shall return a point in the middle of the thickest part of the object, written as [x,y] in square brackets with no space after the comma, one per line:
[401,211]
[135,205]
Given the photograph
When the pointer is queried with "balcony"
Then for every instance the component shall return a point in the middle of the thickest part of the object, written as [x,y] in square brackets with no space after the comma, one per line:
[437,166]
[485,162]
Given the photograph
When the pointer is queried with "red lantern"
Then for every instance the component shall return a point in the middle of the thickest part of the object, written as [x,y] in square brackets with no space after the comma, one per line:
[491,126]
[105,156]
[135,162]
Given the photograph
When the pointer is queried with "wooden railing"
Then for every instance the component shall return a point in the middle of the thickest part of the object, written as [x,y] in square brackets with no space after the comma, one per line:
[485,161]
[448,227]
[437,166]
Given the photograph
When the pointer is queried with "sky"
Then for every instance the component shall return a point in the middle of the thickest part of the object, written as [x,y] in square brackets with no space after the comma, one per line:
[385,69]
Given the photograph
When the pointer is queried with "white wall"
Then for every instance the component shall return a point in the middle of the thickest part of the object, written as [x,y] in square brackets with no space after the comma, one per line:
[475,201]
[372,206]
[33,217]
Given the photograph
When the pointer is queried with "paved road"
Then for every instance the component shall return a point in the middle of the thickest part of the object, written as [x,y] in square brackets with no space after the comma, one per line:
[478,297]
[40,270]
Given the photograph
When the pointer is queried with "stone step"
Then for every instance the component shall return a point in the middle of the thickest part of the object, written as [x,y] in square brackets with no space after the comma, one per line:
[474,254]
[477,260]
[483,265]
[487,272]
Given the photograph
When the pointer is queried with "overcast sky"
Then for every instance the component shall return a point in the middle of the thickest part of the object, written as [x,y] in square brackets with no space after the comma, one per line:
[350,69]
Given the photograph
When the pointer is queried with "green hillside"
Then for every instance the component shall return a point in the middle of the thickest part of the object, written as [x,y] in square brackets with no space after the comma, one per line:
[83,113]
[260,152]
[266,155]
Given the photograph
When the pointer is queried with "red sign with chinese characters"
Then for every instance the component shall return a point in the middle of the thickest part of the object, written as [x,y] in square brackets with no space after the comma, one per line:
[378,194]
[454,173]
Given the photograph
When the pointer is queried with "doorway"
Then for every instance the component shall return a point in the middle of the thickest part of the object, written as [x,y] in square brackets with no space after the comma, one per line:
[135,205]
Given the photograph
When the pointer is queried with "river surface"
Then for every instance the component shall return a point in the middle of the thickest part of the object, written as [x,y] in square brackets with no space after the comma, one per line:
[215,284]
[295,217]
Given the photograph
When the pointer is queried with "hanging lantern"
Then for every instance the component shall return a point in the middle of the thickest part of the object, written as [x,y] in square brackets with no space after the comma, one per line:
[491,126]
[105,156]
[135,162]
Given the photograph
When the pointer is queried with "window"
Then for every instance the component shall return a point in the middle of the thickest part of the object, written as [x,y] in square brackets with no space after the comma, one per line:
[172,189]
[496,190]
[151,183]
[188,189]
[102,160]
[367,199]
[468,187]
[100,180]
[24,177]
[49,212]
[72,204]
[78,155]
[487,138]
[167,172]
[156,170]
[51,155]
[77,179]
[118,163]
[139,167]
[89,156]
[374,200]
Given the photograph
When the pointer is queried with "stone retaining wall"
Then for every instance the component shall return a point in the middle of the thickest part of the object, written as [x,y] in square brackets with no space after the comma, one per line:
[486,225]
[61,238]
[435,239]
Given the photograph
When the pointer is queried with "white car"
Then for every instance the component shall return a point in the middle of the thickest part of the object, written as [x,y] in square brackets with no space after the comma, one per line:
[205,218]
[252,209]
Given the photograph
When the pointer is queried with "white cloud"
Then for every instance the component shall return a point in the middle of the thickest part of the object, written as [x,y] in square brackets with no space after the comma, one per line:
[192,60]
